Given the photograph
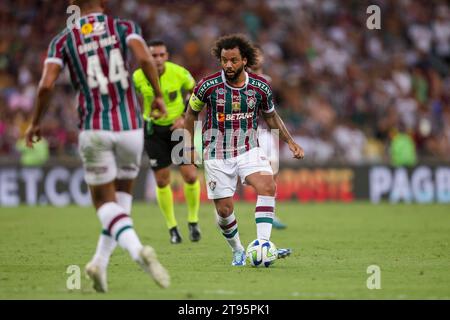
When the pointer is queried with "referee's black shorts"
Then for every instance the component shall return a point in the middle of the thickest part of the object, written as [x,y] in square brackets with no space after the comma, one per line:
[158,145]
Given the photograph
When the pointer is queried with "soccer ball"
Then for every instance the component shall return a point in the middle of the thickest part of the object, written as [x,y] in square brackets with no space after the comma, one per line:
[261,253]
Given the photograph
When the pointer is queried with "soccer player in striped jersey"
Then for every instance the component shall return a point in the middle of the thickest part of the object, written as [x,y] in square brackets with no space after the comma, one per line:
[234,98]
[111,138]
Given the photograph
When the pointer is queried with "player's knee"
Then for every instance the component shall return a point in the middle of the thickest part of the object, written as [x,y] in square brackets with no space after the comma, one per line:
[189,174]
[190,178]
[162,178]
[102,194]
[268,189]
[162,183]
[225,210]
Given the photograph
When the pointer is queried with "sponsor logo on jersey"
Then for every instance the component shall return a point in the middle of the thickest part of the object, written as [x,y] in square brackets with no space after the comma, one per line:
[250,93]
[220,102]
[96,29]
[221,117]
[87,28]
[207,84]
[261,85]
[99,28]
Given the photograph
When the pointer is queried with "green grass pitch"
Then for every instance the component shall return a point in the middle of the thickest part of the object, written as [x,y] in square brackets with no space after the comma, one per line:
[333,245]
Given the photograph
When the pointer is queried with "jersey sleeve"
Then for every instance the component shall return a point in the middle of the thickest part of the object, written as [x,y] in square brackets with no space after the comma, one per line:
[55,52]
[131,30]
[198,99]
[268,104]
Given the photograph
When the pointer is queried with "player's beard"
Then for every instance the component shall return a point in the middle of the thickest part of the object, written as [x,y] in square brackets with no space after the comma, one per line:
[236,75]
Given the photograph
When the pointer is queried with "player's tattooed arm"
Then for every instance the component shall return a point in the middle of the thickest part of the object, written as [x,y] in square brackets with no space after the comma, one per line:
[44,92]
[274,121]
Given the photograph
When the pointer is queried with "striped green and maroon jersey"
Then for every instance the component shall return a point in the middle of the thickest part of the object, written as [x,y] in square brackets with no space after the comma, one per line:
[232,113]
[96,54]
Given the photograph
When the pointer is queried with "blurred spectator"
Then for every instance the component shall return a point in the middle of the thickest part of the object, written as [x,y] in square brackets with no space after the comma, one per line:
[403,149]
[341,88]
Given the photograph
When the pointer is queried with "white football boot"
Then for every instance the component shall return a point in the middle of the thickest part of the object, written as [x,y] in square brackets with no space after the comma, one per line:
[149,262]
[98,277]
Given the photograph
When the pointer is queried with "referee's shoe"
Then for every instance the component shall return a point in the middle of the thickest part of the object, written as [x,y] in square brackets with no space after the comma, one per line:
[194,231]
[175,236]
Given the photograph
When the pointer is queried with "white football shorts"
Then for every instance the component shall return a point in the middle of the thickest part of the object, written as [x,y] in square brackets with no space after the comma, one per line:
[110,155]
[221,175]
[270,145]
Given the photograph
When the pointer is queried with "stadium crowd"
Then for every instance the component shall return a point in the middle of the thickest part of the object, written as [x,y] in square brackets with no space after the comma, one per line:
[345,91]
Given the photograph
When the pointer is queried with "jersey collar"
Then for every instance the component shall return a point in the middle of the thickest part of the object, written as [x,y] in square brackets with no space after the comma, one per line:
[224,79]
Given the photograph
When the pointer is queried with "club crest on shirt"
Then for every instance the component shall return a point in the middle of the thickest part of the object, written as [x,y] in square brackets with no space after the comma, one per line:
[212,185]
[251,102]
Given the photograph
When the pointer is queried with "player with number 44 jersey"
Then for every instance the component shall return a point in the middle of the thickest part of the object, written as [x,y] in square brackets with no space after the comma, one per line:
[111,138]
